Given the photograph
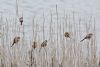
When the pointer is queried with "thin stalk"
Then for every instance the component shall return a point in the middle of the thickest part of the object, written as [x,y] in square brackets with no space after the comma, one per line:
[57,45]
[43,27]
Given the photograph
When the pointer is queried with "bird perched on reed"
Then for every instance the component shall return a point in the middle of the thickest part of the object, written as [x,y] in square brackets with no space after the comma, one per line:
[44,44]
[34,45]
[21,20]
[88,36]
[16,40]
[67,35]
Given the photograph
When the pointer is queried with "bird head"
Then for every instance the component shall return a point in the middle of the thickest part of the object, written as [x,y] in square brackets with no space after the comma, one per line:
[45,40]
[34,42]
[66,34]
[21,17]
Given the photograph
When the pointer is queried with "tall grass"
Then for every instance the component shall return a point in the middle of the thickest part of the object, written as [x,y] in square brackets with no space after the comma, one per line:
[60,51]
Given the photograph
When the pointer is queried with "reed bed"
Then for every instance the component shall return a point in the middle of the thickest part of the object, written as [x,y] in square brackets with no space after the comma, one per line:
[49,25]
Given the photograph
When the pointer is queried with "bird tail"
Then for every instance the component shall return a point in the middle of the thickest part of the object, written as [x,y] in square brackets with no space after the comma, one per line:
[21,23]
[12,44]
[82,40]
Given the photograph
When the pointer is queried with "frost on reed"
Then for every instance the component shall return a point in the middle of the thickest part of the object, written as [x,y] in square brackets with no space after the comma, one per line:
[49,25]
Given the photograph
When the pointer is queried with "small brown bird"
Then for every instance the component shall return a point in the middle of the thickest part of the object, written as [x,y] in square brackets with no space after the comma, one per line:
[88,36]
[16,40]
[21,20]
[44,44]
[34,45]
[67,35]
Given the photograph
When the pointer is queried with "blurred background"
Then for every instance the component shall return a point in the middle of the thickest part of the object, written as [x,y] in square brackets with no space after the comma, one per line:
[48,20]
